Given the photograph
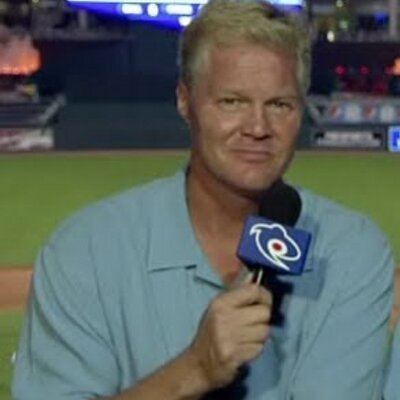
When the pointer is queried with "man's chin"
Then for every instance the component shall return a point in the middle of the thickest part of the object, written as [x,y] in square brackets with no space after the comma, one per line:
[253,188]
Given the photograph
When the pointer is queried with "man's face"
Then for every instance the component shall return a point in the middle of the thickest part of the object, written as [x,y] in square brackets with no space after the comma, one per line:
[244,113]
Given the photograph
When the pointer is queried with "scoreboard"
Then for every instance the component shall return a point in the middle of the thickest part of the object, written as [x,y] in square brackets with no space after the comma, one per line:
[173,13]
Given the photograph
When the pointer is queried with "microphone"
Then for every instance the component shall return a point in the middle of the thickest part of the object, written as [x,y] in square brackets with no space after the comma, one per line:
[268,244]
[269,241]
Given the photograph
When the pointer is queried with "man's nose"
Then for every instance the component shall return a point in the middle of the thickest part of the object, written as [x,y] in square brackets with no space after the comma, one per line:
[257,124]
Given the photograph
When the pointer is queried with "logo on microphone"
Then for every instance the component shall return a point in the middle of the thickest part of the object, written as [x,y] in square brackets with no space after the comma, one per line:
[269,244]
[275,244]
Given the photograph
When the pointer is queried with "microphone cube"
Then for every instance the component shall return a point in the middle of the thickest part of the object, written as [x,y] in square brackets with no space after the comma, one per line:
[268,244]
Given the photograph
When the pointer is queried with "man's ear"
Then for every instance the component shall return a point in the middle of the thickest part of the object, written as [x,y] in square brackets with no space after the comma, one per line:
[183,100]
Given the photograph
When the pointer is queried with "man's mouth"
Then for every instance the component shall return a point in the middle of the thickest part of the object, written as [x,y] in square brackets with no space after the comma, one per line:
[253,154]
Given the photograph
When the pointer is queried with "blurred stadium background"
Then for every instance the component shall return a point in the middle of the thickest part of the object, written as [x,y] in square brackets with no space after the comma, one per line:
[87,108]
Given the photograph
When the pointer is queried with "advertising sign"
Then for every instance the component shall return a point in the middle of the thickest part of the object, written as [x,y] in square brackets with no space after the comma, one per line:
[394,139]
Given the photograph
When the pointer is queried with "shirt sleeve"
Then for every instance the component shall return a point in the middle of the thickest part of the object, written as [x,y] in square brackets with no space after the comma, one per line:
[392,386]
[65,350]
[347,357]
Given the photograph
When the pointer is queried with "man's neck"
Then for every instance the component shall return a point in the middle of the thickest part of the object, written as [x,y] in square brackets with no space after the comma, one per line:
[218,215]
[215,208]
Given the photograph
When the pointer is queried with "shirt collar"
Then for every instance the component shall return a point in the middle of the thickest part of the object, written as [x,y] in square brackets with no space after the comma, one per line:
[173,243]
[172,240]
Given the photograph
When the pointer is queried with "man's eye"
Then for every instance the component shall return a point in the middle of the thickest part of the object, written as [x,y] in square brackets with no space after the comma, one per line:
[282,105]
[230,101]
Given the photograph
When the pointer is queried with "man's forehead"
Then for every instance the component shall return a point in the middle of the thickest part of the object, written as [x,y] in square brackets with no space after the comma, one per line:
[246,66]
[247,57]
[240,48]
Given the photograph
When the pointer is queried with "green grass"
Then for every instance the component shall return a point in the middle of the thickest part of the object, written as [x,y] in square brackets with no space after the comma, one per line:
[10,325]
[37,191]
[365,182]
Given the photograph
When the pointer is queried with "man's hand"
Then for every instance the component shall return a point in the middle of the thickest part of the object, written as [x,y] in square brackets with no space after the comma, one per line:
[232,332]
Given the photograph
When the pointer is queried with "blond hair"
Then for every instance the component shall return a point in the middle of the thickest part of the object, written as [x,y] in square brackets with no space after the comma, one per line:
[226,22]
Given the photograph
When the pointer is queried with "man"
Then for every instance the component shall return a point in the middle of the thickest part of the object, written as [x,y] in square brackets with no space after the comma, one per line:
[139,296]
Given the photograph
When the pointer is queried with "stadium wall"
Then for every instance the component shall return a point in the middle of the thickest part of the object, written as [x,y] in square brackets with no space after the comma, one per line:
[121,93]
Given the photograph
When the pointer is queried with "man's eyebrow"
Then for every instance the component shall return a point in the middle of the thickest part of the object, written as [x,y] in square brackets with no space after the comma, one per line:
[291,97]
[244,95]
[232,92]
[238,92]
[287,97]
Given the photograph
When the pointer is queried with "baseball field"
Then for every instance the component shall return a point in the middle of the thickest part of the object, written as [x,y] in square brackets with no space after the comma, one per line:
[37,191]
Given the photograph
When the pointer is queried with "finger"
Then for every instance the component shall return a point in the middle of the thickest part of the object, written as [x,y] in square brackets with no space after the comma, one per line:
[247,294]
[245,276]
[264,295]
[248,352]
[249,277]
[257,295]
[254,314]
[253,334]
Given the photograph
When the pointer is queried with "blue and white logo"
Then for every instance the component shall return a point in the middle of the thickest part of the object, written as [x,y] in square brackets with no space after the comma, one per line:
[394,139]
[266,243]
[279,249]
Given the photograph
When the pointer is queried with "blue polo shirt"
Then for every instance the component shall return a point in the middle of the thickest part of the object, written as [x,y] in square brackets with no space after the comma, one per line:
[120,288]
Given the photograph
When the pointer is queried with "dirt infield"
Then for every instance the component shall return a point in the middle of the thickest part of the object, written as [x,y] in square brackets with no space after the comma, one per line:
[14,286]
